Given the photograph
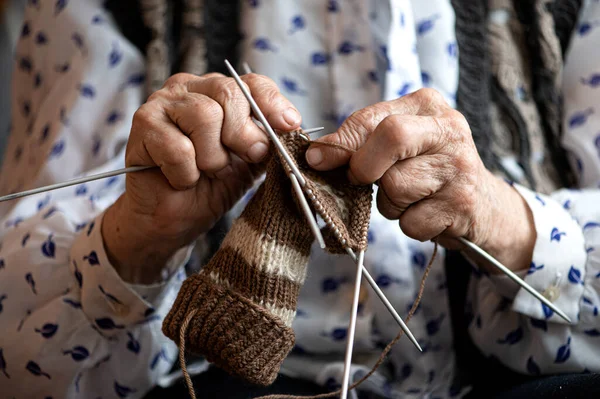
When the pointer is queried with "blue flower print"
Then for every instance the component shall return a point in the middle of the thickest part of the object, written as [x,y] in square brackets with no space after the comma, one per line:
[292,86]
[108,296]
[590,225]
[48,330]
[123,391]
[107,323]
[532,367]
[319,58]
[48,247]
[556,235]
[547,311]
[298,23]
[253,3]
[580,118]
[575,275]
[113,117]
[2,298]
[541,324]
[332,6]
[25,239]
[592,333]
[385,280]
[35,369]
[433,326]
[25,30]
[264,44]
[3,364]
[134,80]
[57,149]
[586,27]
[78,275]
[25,64]
[92,258]
[339,334]
[78,353]
[347,48]
[512,337]
[41,39]
[60,5]
[160,355]
[73,303]
[592,81]
[405,89]
[31,282]
[115,56]
[564,352]
[133,345]
[533,268]
[87,90]
[426,25]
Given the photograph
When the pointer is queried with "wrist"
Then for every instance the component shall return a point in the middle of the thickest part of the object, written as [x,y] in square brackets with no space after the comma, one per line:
[511,229]
[138,256]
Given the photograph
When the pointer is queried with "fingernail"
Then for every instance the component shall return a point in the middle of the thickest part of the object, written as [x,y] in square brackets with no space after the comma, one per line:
[224,173]
[257,152]
[291,117]
[314,156]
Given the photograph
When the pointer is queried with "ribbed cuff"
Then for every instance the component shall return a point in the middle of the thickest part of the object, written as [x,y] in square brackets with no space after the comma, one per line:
[229,330]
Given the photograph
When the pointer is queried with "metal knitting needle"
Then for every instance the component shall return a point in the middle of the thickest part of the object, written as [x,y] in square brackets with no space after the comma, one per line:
[385,301]
[352,327]
[514,277]
[312,223]
[295,176]
[85,179]
[266,125]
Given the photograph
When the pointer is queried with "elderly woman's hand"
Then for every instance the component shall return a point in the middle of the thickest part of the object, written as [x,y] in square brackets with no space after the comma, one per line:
[421,153]
[200,133]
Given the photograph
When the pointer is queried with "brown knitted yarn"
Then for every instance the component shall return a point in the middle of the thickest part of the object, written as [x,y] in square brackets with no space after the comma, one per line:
[244,300]
[344,207]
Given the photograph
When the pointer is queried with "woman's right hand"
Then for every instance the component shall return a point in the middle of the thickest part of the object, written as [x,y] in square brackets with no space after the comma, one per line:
[200,133]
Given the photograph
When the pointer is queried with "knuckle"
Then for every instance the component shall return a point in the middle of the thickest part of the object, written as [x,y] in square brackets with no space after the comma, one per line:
[396,133]
[179,152]
[429,95]
[178,79]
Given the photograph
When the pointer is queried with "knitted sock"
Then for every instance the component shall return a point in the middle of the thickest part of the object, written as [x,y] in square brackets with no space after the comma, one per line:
[245,298]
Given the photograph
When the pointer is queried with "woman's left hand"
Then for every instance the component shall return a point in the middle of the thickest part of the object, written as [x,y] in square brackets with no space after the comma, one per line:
[430,176]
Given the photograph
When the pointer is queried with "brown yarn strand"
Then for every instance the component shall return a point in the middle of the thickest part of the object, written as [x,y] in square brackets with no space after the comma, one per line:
[385,352]
[182,332]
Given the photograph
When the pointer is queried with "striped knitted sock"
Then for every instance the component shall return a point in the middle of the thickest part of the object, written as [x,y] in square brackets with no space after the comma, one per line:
[245,298]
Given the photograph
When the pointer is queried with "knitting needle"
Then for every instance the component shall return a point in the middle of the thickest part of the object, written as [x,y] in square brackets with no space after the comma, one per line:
[352,327]
[385,301]
[298,180]
[85,179]
[514,277]
[268,128]
[312,222]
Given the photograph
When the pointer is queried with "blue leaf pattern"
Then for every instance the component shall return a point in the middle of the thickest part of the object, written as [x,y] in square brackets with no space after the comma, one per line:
[48,330]
[3,364]
[512,337]
[35,369]
[564,352]
[532,367]
[123,391]
[556,235]
[92,258]
[31,282]
[49,248]
[575,275]
[78,353]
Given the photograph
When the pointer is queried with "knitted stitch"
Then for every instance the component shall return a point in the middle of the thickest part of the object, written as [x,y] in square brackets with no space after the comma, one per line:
[245,298]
